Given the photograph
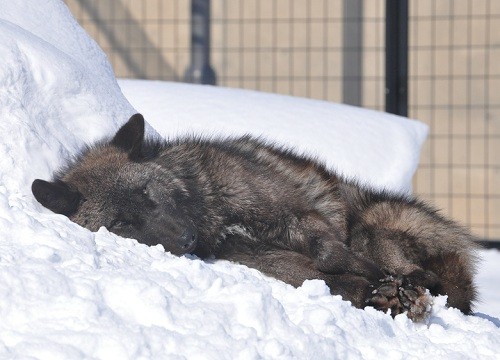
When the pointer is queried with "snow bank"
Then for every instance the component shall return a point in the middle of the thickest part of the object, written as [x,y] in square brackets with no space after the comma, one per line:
[57,90]
[68,293]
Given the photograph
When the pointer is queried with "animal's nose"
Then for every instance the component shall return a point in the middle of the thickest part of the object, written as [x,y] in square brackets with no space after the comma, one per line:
[188,240]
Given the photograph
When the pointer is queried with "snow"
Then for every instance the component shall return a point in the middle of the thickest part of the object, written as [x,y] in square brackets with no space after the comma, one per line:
[68,293]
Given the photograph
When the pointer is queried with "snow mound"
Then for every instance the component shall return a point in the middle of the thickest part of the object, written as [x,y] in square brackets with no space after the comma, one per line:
[68,293]
[57,91]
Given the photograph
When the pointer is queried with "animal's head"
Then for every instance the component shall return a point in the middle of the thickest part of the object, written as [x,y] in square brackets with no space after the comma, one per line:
[114,186]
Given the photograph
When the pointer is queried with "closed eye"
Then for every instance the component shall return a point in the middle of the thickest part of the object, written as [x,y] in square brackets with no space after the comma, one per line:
[119,224]
[142,190]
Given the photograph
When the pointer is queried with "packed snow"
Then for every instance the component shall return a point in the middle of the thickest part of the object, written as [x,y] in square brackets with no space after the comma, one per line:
[68,293]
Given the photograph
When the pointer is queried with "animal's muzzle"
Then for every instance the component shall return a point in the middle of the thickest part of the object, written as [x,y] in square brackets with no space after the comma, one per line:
[188,240]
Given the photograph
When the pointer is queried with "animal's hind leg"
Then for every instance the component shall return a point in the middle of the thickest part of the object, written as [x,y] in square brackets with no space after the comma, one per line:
[422,262]
[389,249]
[323,242]
[455,280]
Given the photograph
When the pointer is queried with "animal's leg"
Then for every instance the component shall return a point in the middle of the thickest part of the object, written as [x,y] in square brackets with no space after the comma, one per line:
[424,262]
[456,279]
[389,250]
[294,268]
[323,242]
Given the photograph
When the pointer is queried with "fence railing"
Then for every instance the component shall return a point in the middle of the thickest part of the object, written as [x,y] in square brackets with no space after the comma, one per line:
[200,70]
[396,57]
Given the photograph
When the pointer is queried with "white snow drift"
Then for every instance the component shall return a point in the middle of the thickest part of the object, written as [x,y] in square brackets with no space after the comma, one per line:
[68,293]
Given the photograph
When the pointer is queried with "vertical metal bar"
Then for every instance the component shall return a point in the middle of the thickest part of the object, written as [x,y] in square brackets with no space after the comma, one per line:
[396,57]
[200,71]
[352,52]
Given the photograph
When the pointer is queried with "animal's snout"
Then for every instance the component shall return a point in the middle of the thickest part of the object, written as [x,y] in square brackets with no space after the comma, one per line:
[188,240]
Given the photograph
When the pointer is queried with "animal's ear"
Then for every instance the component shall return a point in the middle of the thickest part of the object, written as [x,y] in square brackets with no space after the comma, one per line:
[130,136]
[56,196]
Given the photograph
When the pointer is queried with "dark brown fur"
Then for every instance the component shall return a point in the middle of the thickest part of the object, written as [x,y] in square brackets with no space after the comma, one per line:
[265,207]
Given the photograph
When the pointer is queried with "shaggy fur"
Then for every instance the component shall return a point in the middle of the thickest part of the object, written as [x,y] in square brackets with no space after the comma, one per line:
[265,207]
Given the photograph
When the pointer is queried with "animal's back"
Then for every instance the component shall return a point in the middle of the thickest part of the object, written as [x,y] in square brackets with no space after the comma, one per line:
[248,169]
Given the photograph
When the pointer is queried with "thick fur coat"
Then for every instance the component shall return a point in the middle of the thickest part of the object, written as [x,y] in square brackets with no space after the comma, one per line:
[264,206]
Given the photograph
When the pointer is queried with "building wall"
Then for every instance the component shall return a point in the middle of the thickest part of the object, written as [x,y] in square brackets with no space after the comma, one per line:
[334,50]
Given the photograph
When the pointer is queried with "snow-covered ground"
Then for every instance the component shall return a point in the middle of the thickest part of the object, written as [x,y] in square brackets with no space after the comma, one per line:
[67,293]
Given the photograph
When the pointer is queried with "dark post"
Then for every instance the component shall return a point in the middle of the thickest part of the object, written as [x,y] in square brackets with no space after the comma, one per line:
[396,57]
[200,71]
[352,53]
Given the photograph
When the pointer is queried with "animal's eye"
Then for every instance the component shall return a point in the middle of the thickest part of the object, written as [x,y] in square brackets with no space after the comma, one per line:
[143,190]
[118,224]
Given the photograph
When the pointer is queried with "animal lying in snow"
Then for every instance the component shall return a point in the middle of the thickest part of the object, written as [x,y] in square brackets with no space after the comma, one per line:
[265,207]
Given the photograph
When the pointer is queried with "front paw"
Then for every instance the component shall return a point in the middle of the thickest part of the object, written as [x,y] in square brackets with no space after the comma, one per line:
[397,294]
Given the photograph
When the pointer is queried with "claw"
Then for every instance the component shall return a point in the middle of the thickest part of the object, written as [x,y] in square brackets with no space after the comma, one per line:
[378,302]
[396,294]
[411,295]
[388,290]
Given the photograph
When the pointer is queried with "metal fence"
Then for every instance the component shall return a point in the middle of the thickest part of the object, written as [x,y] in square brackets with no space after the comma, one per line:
[335,50]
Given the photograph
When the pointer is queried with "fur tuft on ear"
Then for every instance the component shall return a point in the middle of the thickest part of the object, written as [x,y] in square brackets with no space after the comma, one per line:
[130,136]
[56,196]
